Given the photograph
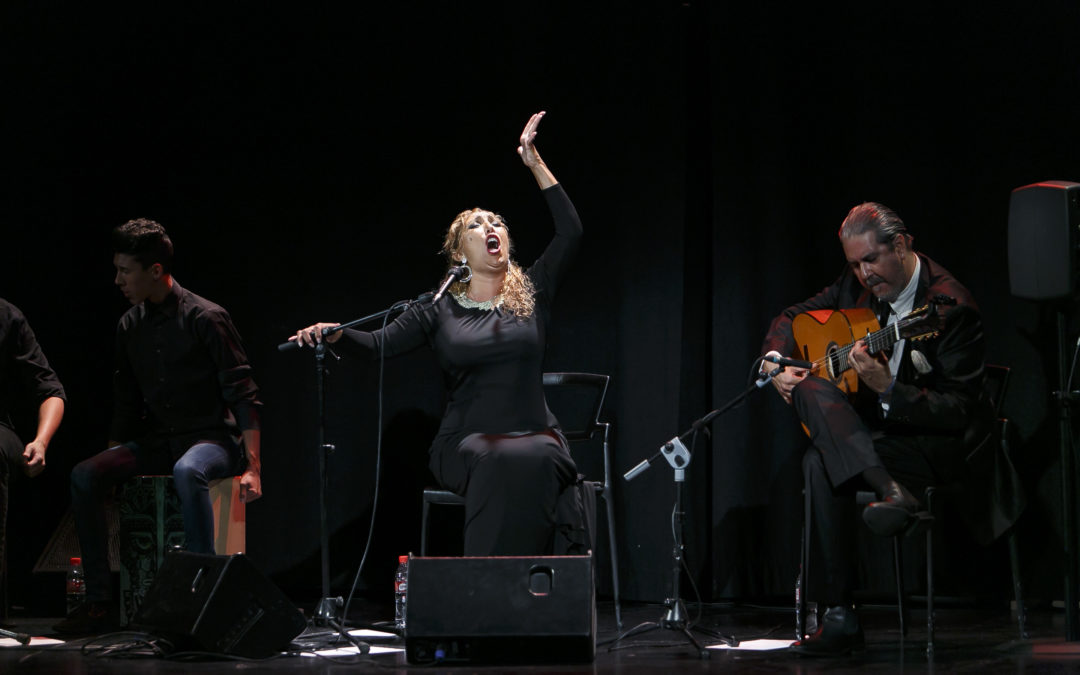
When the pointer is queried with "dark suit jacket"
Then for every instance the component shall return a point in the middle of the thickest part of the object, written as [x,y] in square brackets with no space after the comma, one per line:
[945,401]
[945,407]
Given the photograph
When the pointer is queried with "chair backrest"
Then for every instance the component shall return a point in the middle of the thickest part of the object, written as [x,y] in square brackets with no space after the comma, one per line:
[576,400]
[997,383]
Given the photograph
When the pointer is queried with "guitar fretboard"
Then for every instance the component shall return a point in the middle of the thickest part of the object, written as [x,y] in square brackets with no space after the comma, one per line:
[877,341]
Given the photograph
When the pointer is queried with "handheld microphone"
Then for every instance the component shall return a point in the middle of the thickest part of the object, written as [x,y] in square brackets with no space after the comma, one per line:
[289,346]
[784,361]
[452,275]
[296,344]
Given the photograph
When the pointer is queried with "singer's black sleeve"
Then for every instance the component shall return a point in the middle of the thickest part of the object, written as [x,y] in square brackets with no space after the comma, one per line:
[411,330]
[551,267]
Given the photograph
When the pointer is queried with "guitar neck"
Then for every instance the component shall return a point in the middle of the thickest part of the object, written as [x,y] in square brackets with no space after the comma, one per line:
[877,341]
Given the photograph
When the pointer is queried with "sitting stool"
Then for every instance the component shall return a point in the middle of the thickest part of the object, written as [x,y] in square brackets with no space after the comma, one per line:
[151,524]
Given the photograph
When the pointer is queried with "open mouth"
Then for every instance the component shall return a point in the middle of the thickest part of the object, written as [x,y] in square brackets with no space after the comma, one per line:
[493,243]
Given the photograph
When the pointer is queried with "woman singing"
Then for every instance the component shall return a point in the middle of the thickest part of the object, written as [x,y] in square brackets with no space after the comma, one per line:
[498,445]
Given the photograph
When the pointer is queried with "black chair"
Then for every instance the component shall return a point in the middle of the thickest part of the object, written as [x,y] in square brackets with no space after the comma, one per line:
[990,466]
[576,399]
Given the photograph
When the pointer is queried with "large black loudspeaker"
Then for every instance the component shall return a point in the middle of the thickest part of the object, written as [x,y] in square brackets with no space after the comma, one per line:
[509,609]
[219,604]
[1044,232]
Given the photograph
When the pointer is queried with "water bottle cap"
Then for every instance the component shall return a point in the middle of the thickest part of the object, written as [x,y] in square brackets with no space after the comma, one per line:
[402,559]
[76,561]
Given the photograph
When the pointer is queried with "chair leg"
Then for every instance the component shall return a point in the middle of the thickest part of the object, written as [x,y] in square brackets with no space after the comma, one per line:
[609,504]
[1018,591]
[423,528]
[606,494]
[802,583]
[898,571]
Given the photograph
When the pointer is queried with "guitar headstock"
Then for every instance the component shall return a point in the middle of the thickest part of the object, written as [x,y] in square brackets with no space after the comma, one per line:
[923,323]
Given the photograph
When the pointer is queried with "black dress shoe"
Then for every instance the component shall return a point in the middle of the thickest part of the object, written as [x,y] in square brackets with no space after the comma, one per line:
[893,514]
[839,634]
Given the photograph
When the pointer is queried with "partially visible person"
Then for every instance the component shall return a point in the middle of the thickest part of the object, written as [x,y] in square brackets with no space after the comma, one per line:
[499,446]
[917,411]
[184,403]
[25,379]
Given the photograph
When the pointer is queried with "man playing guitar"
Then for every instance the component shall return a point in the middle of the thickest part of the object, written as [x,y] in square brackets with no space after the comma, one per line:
[903,423]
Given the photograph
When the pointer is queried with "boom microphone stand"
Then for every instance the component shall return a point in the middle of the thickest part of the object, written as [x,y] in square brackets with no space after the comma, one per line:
[328,608]
[678,456]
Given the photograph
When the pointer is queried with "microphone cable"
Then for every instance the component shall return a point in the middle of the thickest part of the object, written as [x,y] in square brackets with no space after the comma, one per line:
[406,304]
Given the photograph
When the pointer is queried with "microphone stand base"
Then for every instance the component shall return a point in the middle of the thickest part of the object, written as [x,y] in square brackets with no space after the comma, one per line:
[327,611]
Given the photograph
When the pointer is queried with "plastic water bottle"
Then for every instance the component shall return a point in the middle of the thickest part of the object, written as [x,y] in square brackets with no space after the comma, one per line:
[76,586]
[401,581]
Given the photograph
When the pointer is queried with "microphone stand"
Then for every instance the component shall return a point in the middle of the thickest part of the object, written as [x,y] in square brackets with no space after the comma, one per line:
[1066,403]
[328,608]
[678,456]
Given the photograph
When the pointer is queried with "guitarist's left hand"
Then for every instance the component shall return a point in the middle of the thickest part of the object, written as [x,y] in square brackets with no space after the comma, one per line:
[873,369]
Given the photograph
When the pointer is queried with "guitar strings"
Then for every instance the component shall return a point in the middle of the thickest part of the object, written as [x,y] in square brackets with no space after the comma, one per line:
[876,341]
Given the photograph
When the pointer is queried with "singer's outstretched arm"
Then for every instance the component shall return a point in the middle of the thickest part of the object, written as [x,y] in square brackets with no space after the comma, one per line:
[548,271]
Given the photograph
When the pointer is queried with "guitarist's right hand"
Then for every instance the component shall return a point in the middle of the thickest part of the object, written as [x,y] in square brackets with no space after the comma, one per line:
[786,379]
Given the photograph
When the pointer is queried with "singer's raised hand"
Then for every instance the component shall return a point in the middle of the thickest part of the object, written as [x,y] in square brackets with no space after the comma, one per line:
[531,156]
[313,334]
[527,150]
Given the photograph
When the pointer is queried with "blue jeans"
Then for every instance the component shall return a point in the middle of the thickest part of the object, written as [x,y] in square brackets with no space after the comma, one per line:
[93,479]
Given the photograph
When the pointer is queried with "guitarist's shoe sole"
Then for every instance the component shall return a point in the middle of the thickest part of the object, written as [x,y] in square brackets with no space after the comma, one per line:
[888,520]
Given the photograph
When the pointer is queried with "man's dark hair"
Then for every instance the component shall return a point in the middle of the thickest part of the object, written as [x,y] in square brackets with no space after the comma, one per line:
[146,241]
[876,218]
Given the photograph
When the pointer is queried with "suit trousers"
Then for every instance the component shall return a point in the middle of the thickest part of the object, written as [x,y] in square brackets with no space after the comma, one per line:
[842,446]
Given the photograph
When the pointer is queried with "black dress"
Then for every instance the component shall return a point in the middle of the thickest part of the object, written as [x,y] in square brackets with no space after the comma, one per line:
[498,444]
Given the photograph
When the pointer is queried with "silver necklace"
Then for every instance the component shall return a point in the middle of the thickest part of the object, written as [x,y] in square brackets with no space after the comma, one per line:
[468,303]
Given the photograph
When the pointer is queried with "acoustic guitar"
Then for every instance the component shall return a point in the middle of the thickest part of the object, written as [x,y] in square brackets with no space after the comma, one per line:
[825,337]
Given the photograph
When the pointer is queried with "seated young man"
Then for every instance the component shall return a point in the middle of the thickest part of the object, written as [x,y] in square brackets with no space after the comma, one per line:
[184,403]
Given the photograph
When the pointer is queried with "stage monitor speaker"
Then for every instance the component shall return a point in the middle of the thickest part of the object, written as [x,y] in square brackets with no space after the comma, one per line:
[218,604]
[1043,237]
[500,610]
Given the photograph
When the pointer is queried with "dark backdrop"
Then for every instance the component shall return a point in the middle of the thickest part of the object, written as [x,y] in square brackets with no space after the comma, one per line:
[307,160]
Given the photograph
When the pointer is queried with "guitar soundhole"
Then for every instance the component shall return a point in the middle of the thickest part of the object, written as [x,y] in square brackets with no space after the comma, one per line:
[832,362]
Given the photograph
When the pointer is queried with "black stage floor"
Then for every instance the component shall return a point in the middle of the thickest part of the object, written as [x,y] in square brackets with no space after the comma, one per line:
[974,640]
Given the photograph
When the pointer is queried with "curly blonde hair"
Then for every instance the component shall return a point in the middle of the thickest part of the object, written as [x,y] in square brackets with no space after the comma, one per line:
[517,290]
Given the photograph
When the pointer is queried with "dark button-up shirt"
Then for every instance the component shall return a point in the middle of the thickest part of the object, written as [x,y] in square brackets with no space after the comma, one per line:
[181,374]
[25,375]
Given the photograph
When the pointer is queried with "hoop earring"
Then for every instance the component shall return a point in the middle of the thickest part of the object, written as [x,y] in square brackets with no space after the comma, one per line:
[466,274]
